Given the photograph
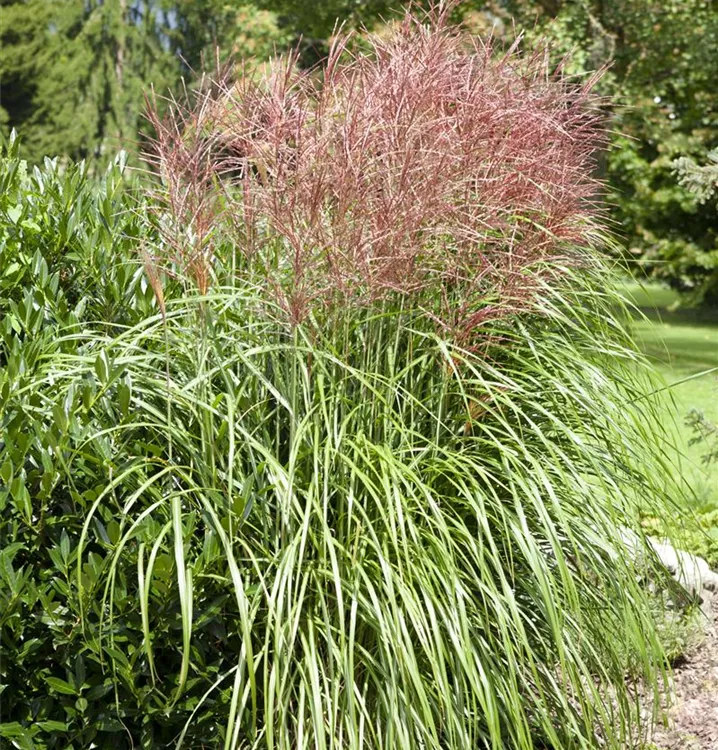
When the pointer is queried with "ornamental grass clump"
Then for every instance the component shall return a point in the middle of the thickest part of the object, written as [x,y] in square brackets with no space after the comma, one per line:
[431,166]
[367,474]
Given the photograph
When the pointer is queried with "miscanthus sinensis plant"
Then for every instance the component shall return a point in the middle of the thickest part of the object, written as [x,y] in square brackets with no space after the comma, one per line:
[384,443]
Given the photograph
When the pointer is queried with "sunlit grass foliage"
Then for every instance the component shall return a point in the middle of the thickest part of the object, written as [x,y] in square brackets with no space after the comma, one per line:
[416,544]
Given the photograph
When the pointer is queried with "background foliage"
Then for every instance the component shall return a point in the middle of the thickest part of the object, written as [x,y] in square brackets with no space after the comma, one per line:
[73,72]
[663,79]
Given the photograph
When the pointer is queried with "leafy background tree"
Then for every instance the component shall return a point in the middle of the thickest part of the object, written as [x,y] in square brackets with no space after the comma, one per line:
[663,78]
[73,72]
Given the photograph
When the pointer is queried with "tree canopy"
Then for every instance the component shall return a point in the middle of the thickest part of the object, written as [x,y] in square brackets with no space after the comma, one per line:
[73,74]
[74,71]
[662,58]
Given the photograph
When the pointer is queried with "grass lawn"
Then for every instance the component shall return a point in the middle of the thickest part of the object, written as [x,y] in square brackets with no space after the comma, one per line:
[682,342]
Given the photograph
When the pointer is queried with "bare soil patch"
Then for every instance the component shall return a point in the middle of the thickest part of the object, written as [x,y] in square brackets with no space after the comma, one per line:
[693,716]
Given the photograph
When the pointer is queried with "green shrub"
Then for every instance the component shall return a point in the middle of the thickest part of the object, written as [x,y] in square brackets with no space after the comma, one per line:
[67,255]
[65,244]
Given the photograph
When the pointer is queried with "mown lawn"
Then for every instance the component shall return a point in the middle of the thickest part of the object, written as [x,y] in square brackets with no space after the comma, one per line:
[682,342]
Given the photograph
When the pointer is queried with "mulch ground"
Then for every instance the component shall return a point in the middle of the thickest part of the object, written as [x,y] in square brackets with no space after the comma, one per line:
[693,717]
